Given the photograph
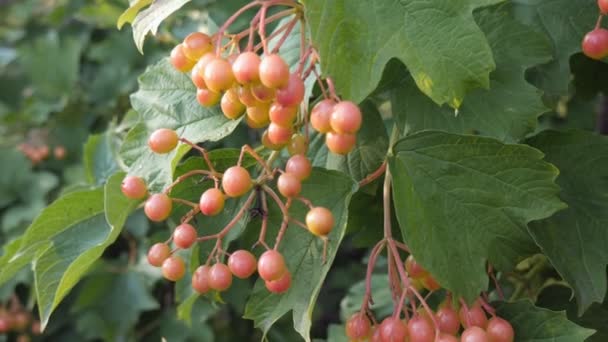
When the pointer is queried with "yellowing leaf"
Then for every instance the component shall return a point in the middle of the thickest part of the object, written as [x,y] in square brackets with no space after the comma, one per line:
[129,15]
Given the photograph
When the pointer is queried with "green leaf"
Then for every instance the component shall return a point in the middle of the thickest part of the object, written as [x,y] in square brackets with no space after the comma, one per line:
[533,324]
[461,200]
[303,254]
[167,99]
[508,110]
[438,41]
[100,157]
[575,239]
[149,19]
[129,14]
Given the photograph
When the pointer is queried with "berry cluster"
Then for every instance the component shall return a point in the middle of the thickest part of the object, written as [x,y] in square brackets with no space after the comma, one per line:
[19,321]
[595,43]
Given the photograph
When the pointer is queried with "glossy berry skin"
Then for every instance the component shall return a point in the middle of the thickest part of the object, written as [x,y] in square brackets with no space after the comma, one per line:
[174,268]
[271,265]
[420,330]
[299,166]
[280,285]
[163,140]
[133,187]
[200,279]
[274,72]
[278,134]
[220,277]
[474,334]
[198,71]
[246,67]
[158,253]
[499,330]
[196,44]
[319,221]
[346,117]
[447,319]
[603,5]
[293,93]
[231,106]
[211,202]
[289,185]
[269,145]
[321,114]
[184,236]
[242,264]
[207,97]
[297,145]
[393,330]
[282,115]
[476,316]
[158,207]
[236,181]
[358,327]
[595,44]
[218,75]
[340,143]
[179,59]
[259,114]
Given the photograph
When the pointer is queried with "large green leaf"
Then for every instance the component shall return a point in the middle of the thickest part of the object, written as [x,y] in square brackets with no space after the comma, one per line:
[508,110]
[575,239]
[100,157]
[438,40]
[303,253]
[533,324]
[462,200]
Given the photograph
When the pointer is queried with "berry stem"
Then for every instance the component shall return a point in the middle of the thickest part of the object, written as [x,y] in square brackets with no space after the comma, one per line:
[373,257]
[499,291]
[486,306]
[287,28]
[374,175]
[264,228]
[276,198]
[251,152]
[203,152]
[332,88]
[320,82]
[188,175]
[262,27]
[230,21]
[306,202]
[185,202]
[599,21]
[232,222]
[284,226]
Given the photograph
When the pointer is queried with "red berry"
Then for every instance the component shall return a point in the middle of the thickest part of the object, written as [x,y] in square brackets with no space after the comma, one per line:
[499,330]
[280,285]
[133,187]
[246,67]
[393,330]
[414,269]
[179,59]
[246,97]
[174,268]
[242,264]
[259,114]
[340,143]
[595,44]
[476,316]
[158,207]
[236,181]
[603,5]
[220,277]
[211,202]
[200,279]
[345,117]
[297,145]
[447,319]
[420,330]
[274,72]
[218,75]
[474,334]
[196,44]
[319,221]
[447,338]
[293,93]
[282,115]
[158,253]
[262,93]
[358,327]
[271,265]
[278,134]
[163,140]
[184,235]
[199,69]
[299,166]
[289,185]
[231,106]
[268,144]
[5,324]
[321,114]
[207,97]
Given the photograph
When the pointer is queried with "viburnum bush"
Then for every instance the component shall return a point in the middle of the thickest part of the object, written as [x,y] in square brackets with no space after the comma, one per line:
[383,171]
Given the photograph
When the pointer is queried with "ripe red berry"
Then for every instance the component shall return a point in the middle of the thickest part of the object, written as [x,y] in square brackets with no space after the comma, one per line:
[220,277]
[262,93]
[158,207]
[231,106]
[242,264]
[476,316]
[268,144]
[346,117]
[603,5]
[340,143]
[196,44]
[278,134]
[297,145]
[420,330]
[134,187]
[246,67]
[274,72]
[499,330]
[292,94]
[414,269]
[200,279]
[376,334]
[443,337]
[321,114]
[447,319]
[207,97]
[474,334]
[199,68]
[393,330]
[319,221]
[158,253]
[163,140]
[211,202]
[595,44]
[174,268]
[271,265]
[358,327]
[5,324]
[299,166]
[282,115]
[280,285]
[179,59]
[236,181]
[289,185]
[218,75]
[184,235]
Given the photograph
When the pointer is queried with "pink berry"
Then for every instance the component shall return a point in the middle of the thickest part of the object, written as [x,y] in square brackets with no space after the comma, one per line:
[134,187]
[211,202]
[293,93]
[242,264]
[274,72]
[346,117]
[246,67]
